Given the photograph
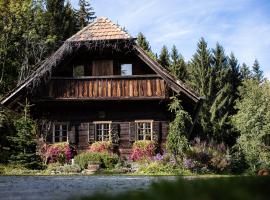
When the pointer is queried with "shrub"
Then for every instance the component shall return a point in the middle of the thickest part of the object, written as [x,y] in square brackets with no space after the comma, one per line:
[177,143]
[158,168]
[204,157]
[144,149]
[103,146]
[69,169]
[106,160]
[59,152]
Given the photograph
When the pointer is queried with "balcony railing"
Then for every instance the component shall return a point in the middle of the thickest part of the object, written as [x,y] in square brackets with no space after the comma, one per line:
[108,87]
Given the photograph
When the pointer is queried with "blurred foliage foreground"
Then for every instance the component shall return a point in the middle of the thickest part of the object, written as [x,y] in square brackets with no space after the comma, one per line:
[229,188]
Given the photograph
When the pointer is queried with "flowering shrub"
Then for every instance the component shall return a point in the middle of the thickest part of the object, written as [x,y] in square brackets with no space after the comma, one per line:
[106,160]
[141,150]
[104,146]
[58,152]
[204,157]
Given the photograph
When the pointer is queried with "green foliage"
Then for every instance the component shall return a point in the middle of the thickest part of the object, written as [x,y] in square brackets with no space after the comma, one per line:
[143,43]
[158,168]
[177,143]
[235,188]
[68,169]
[252,121]
[178,66]
[24,142]
[216,77]
[257,73]
[85,13]
[164,57]
[106,160]
[245,72]
[16,170]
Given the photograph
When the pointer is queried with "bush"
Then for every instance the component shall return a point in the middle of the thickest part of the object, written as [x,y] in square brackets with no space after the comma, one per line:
[69,169]
[106,160]
[104,146]
[158,168]
[204,157]
[59,152]
[143,149]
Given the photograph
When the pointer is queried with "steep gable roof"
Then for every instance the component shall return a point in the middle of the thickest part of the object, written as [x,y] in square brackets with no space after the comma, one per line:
[100,29]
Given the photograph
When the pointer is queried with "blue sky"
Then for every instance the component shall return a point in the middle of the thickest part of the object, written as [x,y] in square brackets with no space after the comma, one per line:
[241,26]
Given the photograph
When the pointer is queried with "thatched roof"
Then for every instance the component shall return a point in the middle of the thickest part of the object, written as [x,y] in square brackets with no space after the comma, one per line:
[97,35]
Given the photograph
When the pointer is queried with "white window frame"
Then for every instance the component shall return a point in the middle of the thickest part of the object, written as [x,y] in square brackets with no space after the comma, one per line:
[110,130]
[60,133]
[144,121]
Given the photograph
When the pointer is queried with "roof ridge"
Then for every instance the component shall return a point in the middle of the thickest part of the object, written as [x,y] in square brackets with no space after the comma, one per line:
[106,30]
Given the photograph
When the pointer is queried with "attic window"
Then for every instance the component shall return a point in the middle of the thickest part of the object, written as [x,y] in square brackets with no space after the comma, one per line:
[78,70]
[126,69]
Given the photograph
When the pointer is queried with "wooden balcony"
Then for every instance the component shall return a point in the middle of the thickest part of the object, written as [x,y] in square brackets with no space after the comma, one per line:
[108,88]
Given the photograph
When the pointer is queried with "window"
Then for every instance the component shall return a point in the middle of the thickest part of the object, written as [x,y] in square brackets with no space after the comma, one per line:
[60,132]
[103,131]
[78,70]
[126,69]
[144,130]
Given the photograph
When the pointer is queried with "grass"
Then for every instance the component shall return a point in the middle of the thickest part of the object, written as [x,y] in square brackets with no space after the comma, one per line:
[222,188]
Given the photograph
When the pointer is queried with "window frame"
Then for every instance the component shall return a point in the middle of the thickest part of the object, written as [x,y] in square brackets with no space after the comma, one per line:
[130,69]
[102,123]
[60,132]
[144,135]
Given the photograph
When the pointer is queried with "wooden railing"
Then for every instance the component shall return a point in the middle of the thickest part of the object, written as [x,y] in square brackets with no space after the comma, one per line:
[108,87]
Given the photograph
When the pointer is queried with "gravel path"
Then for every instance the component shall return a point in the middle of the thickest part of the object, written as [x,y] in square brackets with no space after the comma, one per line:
[65,187]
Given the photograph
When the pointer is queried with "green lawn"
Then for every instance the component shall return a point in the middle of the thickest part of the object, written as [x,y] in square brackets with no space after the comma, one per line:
[221,188]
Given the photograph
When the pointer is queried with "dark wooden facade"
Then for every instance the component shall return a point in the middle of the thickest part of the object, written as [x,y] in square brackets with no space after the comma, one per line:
[83,90]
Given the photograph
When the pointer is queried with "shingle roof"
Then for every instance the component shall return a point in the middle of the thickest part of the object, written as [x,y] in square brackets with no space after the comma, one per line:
[100,29]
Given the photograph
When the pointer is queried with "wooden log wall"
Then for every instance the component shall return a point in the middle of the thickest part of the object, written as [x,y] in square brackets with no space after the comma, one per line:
[108,87]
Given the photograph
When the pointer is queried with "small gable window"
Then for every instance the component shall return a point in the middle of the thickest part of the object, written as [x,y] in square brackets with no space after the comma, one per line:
[126,69]
[60,132]
[144,129]
[103,131]
[78,70]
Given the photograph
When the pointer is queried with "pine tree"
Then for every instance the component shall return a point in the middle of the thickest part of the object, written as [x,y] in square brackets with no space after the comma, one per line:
[178,66]
[201,79]
[164,57]
[257,73]
[234,77]
[25,143]
[55,12]
[85,13]
[245,72]
[222,94]
[143,43]
[70,21]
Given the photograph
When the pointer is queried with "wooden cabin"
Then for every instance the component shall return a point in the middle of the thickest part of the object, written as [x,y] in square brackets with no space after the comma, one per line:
[98,86]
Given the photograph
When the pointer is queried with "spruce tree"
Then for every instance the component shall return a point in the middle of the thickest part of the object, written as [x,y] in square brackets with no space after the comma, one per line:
[143,43]
[164,57]
[222,95]
[25,142]
[201,79]
[85,13]
[178,66]
[257,73]
[245,72]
